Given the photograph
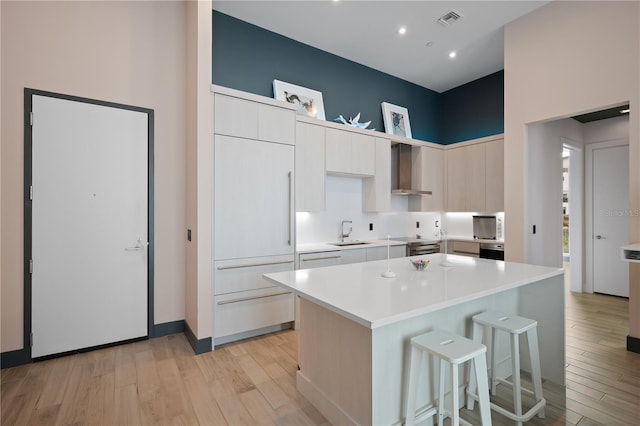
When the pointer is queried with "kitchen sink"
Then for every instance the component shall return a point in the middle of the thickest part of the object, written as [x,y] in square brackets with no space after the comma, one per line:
[349,243]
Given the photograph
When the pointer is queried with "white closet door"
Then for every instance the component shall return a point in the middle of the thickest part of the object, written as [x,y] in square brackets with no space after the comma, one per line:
[610,219]
[89,225]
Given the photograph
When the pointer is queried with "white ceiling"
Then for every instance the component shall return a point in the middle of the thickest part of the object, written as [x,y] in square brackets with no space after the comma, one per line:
[366,32]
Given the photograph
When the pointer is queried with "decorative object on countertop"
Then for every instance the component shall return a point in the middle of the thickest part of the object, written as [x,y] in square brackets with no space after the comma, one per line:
[388,273]
[307,101]
[444,262]
[419,264]
[396,120]
[353,121]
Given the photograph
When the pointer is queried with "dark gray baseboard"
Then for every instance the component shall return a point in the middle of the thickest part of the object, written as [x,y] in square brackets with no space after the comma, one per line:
[633,344]
[168,328]
[199,346]
[14,358]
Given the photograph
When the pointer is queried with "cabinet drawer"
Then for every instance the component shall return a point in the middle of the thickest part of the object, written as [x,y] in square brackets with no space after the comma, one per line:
[250,310]
[353,256]
[236,275]
[466,248]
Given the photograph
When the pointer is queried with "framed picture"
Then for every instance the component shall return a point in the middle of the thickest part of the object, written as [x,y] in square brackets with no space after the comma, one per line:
[307,101]
[396,120]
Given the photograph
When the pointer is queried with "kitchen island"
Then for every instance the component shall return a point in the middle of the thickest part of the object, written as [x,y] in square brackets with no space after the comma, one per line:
[356,325]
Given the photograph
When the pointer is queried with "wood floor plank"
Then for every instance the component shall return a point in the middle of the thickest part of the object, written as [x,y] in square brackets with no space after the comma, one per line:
[204,405]
[127,408]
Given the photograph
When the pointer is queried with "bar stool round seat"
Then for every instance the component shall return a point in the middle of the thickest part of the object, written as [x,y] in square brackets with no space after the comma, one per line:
[454,350]
[514,326]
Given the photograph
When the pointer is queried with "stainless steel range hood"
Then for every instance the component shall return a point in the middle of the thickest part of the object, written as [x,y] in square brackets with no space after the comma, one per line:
[402,171]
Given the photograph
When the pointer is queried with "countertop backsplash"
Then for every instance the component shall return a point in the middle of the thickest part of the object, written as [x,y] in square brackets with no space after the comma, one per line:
[461,224]
[344,202]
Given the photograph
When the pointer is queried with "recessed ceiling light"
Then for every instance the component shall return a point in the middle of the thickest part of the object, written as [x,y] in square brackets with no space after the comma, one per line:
[452,54]
[625,111]
[402,30]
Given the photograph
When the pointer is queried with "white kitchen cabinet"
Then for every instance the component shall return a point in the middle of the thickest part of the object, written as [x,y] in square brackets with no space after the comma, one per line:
[238,275]
[376,190]
[464,248]
[380,253]
[353,256]
[494,158]
[241,312]
[253,207]
[243,118]
[427,175]
[235,117]
[310,167]
[349,152]
[475,178]
[319,259]
[456,180]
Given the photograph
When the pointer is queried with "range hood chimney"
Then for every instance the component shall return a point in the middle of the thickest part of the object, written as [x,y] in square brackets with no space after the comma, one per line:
[402,185]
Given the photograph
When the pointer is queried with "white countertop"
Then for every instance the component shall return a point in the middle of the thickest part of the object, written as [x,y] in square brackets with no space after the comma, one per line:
[358,291]
[319,247]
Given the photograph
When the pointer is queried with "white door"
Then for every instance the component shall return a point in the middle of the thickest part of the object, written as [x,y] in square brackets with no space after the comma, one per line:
[610,219]
[89,225]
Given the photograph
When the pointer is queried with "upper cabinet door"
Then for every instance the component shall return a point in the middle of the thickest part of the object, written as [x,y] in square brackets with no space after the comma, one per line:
[428,175]
[276,124]
[494,154]
[475,177]
[253,203]
[310,168]
[350,153]
[235,117]
[338,151]
[363,154]
[376,190]
[456,180]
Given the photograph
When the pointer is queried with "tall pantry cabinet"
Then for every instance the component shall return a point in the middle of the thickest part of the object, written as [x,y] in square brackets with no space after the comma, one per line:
[253,214]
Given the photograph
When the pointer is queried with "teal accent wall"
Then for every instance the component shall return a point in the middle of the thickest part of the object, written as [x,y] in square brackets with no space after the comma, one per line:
[249,58]
[473,110]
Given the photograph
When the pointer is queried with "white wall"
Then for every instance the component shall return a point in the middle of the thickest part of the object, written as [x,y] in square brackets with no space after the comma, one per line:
[544,195]
[563,59]
[128,52]
[344,202]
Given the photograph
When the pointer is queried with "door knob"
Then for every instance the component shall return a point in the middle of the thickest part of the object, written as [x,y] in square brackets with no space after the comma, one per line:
[140,245]
[600,237]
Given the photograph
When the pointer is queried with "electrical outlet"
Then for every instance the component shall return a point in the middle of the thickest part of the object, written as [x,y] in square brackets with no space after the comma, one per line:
[371,227]
[188,234]
[418,224]
[437,223]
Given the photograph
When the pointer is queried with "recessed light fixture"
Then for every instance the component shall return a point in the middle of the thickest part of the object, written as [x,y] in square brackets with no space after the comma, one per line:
[452,54]
[625,111]
[402,30]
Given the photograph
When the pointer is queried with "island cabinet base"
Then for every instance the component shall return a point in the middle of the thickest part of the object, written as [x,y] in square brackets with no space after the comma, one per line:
[357,375]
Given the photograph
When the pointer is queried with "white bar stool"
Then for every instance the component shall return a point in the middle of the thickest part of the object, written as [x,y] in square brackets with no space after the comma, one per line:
[515,326]
[455,350]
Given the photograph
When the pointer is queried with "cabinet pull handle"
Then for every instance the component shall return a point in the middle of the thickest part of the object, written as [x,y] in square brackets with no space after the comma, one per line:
[320,258]
[252,265]
[244,299]
[289,210]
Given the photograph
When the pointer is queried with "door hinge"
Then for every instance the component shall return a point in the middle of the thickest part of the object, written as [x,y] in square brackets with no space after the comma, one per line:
[31,339]
[31,118]
[31,266]
[31,192]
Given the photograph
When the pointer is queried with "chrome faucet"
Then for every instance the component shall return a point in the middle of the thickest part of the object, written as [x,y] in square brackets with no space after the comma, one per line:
[346,229]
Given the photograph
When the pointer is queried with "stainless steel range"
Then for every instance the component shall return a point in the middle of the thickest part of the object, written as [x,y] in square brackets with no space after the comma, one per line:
[419,246]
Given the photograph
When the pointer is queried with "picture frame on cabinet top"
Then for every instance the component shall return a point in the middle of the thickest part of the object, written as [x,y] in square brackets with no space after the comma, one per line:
[307,101]
[396,120]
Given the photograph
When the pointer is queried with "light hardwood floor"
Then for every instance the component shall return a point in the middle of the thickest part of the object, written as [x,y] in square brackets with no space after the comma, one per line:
[252,382]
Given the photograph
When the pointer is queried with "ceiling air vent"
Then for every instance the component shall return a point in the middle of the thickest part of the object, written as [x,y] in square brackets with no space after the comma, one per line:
[449,17]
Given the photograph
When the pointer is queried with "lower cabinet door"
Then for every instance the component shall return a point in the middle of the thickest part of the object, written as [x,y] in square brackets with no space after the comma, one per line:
[245,311]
